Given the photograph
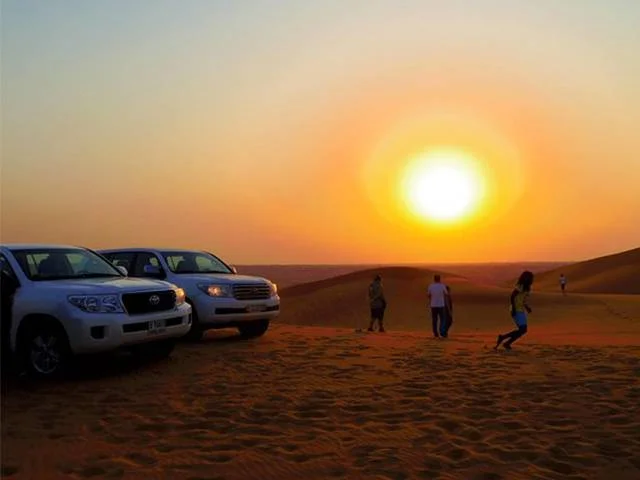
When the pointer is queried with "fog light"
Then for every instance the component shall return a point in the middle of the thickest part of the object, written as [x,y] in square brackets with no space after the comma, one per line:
[97,332]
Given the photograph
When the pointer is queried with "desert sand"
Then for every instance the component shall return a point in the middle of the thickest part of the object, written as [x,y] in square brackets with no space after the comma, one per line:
[314,399]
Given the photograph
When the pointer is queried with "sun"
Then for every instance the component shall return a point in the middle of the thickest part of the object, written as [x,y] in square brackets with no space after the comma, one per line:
[443,186]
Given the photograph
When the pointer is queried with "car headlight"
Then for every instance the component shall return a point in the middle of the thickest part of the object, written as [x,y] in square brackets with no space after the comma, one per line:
[214,290]
[273,288]
[97,303]
[181,297]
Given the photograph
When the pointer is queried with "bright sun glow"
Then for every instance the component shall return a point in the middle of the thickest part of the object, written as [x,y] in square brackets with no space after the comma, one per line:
[442,186]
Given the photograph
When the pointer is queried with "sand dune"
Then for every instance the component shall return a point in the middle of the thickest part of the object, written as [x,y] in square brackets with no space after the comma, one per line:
[288,275]
[392,274]
[484,273]
[342,302]
[617,274]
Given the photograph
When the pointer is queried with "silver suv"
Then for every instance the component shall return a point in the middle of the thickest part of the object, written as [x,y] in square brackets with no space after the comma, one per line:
[70,300]
[219,296]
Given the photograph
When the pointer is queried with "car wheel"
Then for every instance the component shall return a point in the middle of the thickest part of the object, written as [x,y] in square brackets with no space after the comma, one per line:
[254,329]
[45,350]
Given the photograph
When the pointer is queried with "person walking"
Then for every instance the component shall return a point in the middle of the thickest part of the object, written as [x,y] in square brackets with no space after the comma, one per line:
[563,283]
[438,303]
[377,304]
[519,310]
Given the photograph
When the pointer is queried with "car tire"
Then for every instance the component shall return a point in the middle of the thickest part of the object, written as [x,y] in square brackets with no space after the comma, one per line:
[44,349]
[254,329]
[196,332]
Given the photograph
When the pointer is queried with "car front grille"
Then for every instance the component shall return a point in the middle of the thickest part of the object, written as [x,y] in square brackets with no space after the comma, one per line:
[148,302]
[251,292]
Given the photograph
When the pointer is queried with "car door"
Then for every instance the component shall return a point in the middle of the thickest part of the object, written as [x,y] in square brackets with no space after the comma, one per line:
[9,285]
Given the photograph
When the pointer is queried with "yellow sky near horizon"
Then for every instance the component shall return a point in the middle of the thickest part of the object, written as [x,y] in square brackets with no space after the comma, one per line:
[280,135]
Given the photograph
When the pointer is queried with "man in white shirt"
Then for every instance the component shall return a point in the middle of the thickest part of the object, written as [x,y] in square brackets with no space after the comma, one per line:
[438,302]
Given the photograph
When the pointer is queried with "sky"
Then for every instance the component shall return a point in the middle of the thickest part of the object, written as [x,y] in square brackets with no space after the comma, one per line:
[280,131]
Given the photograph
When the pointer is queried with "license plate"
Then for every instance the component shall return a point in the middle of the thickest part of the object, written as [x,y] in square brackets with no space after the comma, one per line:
[156,326]
[256,308]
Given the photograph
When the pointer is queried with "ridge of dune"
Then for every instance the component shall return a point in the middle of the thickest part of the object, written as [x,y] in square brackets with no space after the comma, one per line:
[611,274]
[401,273]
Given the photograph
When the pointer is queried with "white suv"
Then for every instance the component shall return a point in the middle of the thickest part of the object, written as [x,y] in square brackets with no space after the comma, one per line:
[70,300]
[219,296]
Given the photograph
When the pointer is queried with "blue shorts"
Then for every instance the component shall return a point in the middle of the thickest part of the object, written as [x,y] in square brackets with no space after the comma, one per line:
[521,319]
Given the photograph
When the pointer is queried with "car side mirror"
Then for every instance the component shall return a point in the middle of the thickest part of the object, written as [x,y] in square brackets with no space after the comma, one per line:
[123,270]
[152,271]
[234,269]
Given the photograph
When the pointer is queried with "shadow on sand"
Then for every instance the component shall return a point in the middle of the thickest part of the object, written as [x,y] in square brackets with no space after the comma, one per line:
[86,368]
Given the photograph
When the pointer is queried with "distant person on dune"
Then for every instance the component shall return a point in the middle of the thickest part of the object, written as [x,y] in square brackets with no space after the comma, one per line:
[377,303]
[519,310]
[563,283]
[438,302]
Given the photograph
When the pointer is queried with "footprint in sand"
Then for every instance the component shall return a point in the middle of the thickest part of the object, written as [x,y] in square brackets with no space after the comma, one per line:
[141,459]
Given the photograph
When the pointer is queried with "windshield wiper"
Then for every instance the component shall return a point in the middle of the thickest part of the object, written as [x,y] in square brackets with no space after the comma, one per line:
[96,275]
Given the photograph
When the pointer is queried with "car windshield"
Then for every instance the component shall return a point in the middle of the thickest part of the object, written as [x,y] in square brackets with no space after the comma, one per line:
[63,264]
[195,262]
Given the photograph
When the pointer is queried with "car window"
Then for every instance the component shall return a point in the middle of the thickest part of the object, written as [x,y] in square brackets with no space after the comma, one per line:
[195,262]
[205,263]
[121,259]
[145,259]
[33,261]
[61,263]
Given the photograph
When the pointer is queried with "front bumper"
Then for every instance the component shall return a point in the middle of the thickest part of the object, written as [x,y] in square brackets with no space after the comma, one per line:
[220,312]
[93,333]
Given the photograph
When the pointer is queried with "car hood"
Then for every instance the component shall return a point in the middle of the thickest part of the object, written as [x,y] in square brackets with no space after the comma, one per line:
[219,279]
[106,285]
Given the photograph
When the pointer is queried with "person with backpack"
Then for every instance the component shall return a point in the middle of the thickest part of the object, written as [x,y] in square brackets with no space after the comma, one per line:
[377,304]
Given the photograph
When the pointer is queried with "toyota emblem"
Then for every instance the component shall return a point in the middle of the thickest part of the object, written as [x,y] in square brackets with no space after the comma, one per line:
[154,299]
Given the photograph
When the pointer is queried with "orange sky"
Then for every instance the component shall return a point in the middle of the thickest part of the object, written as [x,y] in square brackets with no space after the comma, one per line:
[280,136]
